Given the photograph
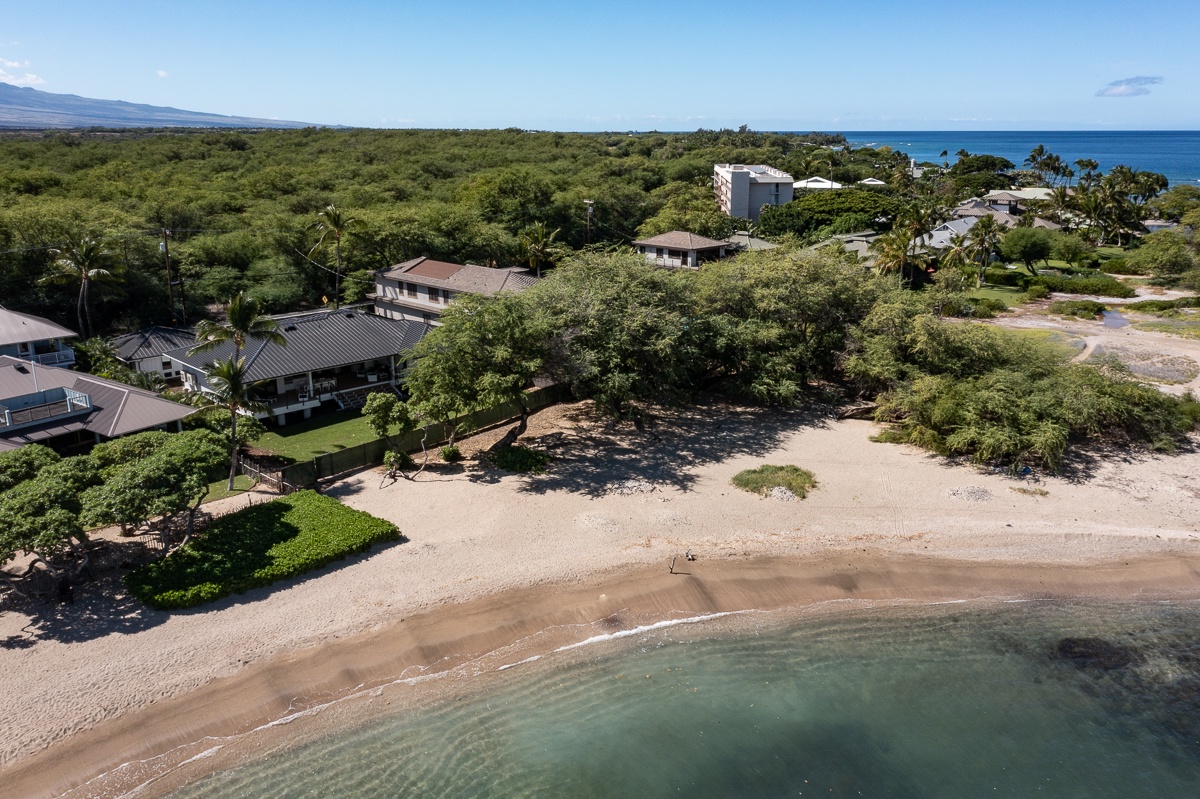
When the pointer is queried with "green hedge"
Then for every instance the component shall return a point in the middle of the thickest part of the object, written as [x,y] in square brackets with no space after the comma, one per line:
[1084,309]
[1098,286]
[257,546]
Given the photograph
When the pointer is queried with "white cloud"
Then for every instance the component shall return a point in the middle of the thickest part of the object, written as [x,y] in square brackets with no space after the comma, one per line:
[1130,87]
[26,79]
[162,73]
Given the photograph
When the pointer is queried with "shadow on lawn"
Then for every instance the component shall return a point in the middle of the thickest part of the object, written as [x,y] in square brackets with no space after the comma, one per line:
[599,453]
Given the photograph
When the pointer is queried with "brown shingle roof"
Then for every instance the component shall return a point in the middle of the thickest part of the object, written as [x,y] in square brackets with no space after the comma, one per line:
[465,277]
[680,240]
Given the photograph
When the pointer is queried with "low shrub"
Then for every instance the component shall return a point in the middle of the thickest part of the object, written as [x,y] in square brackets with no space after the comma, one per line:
[764,478]
[1101,286]
[398,461]
[1037,293]
[1084,309]
[1164,307]
[451,454]
[1120,266]
[258,546]
[522,460]
[998,276]
[986,307]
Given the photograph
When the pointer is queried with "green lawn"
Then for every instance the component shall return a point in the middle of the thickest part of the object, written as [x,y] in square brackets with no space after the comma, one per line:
[1009,295]
[303,441]
[216,490]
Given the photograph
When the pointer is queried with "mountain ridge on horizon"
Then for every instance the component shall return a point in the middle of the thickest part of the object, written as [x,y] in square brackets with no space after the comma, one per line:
[22,107]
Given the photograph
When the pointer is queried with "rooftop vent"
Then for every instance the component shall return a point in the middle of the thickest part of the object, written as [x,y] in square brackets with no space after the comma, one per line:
[290,329]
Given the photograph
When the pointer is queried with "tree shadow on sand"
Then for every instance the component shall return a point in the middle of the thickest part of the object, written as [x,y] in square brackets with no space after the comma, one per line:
[598,452]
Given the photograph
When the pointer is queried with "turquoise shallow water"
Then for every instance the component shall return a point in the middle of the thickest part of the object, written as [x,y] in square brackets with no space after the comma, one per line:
[938,701]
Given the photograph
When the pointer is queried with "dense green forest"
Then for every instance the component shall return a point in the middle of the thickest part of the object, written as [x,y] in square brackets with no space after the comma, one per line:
[241,205]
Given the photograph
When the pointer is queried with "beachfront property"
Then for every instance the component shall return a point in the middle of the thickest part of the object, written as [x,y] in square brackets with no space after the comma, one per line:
[816,184]
[144,350]
[419,290]
[70,410]
[680,250]
[1016,201]
[742,190]
[35,339]
[332,356]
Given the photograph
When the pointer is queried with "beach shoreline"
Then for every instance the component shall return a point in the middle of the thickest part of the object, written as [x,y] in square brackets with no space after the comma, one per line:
[555,616]
[494,559]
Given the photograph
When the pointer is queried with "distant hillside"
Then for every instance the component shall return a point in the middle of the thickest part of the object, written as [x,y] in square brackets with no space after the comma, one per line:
[30,108]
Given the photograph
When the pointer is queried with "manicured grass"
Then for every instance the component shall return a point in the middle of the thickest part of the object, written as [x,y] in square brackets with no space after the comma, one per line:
[764,478]
[257,546]
[216,490]
[303,441]
[1009,295]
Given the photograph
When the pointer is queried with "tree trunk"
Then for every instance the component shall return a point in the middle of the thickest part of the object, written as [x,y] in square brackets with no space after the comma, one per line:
[233,447]
[87,307]
[424,453]
[512,435]
[79,309]
[337,275]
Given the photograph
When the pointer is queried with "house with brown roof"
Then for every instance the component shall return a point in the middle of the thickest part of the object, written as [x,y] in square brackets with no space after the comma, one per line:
[419,290]
[33,338]
[680,250]
[65,409]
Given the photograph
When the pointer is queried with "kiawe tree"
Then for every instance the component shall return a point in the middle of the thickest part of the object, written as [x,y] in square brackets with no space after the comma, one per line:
[1027,245]
[485,354]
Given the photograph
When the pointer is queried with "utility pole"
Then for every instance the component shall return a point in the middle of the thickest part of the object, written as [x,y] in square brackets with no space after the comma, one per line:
[166,248]
[588,235]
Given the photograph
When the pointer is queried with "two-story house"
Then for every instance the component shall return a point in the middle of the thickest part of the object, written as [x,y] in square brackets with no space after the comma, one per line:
[33,338]
[419,290]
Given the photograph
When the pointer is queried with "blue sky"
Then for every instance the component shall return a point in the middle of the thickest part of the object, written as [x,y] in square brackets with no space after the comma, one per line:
[799,65]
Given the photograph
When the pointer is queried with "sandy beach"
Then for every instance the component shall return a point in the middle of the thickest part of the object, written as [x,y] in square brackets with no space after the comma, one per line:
[492,558]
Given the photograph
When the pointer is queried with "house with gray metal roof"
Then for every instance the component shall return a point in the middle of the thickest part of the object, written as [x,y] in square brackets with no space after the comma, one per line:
[419,290]
[680,250]
[65,409]
[35,339]
[336,357]
[144,350]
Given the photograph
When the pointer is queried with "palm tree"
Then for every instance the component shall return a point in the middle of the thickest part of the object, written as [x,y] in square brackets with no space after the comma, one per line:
[333,223]
[80,261]
[243,321]
[233,391]
[894,252]
[538,245]
[985,240]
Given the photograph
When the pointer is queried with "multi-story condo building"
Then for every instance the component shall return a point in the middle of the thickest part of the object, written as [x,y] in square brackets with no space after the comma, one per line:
[742,190]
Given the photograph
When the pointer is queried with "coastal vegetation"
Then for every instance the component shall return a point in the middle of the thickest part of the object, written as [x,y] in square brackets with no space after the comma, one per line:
[257,546]
[766,478]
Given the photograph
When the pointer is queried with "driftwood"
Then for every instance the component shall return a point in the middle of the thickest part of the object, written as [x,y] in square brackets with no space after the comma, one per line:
[863,410]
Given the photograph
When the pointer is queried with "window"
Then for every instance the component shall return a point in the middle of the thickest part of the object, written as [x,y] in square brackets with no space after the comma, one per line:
[166,365]
[412,289]
[434,295]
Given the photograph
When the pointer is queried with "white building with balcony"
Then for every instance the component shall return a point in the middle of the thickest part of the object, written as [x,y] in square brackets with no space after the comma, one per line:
[742,190]
[32,338]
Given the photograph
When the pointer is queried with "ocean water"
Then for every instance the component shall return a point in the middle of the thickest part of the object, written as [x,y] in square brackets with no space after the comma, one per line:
[950,700]
[1174,153]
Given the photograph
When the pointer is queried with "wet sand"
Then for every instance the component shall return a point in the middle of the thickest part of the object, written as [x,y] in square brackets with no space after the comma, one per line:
[495,559]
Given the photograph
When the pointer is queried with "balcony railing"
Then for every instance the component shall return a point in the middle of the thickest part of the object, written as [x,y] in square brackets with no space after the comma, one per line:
[50,404]
[56,358]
